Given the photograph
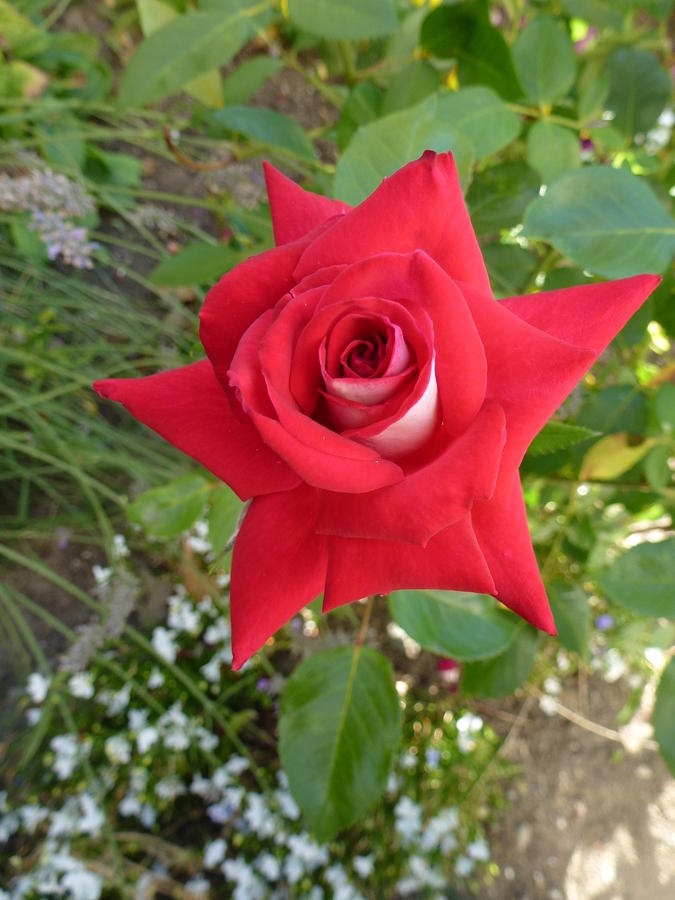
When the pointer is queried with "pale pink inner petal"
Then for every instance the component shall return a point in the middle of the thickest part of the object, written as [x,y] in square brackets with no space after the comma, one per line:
[413,429]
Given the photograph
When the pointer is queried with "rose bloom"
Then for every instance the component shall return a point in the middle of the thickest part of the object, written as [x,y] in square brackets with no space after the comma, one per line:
[366,390]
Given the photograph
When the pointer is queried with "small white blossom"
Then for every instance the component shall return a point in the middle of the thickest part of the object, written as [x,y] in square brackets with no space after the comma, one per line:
[307,850]
[258,817]
[548,705]
[82,884]
[364,866]
[32,816]
[81,685]
[163,640]
[170,787]
[464,866]
[155,679]
[101,575]
[146,738]
[468,725]
[289,808]
[198,886]
[408,819]
[214,853]
[183,616]
[120,548]
[118,750]
[33,715]
[67,754]
[37,687]
[268,866]
[479,850]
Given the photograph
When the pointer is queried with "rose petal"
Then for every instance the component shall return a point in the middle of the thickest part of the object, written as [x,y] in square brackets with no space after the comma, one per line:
[189,409]
[411,430]
[451,561]
[419,283]
[278,566]
[420,207]
[239,298]
[529,373]
[294,210]
[504,537]
[588,315]
[429,499]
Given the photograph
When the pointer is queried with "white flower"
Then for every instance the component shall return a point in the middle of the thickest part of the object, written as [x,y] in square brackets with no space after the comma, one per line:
[120,548]
[163,640]
[423,872]
[364,866]
[408,760]
[214,853]
[155,679]
[562,661]
[655,656]
[248,885]
[32,816]
[268,866]
[468,725]
[129,805]
[170,787]
[37,687]
[145,738]
[293,869]
[307,850]
[207,740]
[82,884]
[183,616]
[91,817]
[548,704]
[199,886]
[101,575]
[236,765]
[33,715]
[118,750]
[289,808]
[116,702]
[552,685]
[67,752]
[479,850]
[408,819]
[219,632]
[148,815]
[81,685]
[439,831]
[614,666]
[258,816]
[464,866]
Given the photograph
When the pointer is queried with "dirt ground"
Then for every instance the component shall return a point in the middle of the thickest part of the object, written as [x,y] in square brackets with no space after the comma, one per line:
[587,821]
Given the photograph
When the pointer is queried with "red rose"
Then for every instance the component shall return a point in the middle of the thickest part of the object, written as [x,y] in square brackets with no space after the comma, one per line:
[363,386]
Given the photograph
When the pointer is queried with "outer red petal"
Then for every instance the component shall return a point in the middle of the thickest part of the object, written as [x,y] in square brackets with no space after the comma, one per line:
[278,566]
[451,561]
[589,315]
[529,373]
[189,409]
[294,210]
[243,294]
[502,532]
[420,207]
[429,499]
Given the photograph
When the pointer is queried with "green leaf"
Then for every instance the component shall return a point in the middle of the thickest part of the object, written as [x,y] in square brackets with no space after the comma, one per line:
[410,85]
[503,674]
[274,129]
[572,615]
[27,241]
[594,11]
[593,90]
[451,623]
[498,198]
[605,219]
[656,468]
[62,143]
[248,78]
[544,59]
[663,717]
[167,511]
[510,268]
[153,14]
[463,32]
[481,116]
[113,168]
[197,263]
[363,105]
[643,579]
[664,407]
[344,19]
[639,89]
[224,511]
[338,731]
[556,436]
[552,150]
[180,51]
[382,147]
[613,455]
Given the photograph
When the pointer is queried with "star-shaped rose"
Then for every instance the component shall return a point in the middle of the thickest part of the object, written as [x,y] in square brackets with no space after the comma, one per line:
[366,390]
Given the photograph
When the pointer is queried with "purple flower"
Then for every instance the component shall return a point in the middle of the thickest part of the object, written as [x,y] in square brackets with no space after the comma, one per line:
[604,622]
